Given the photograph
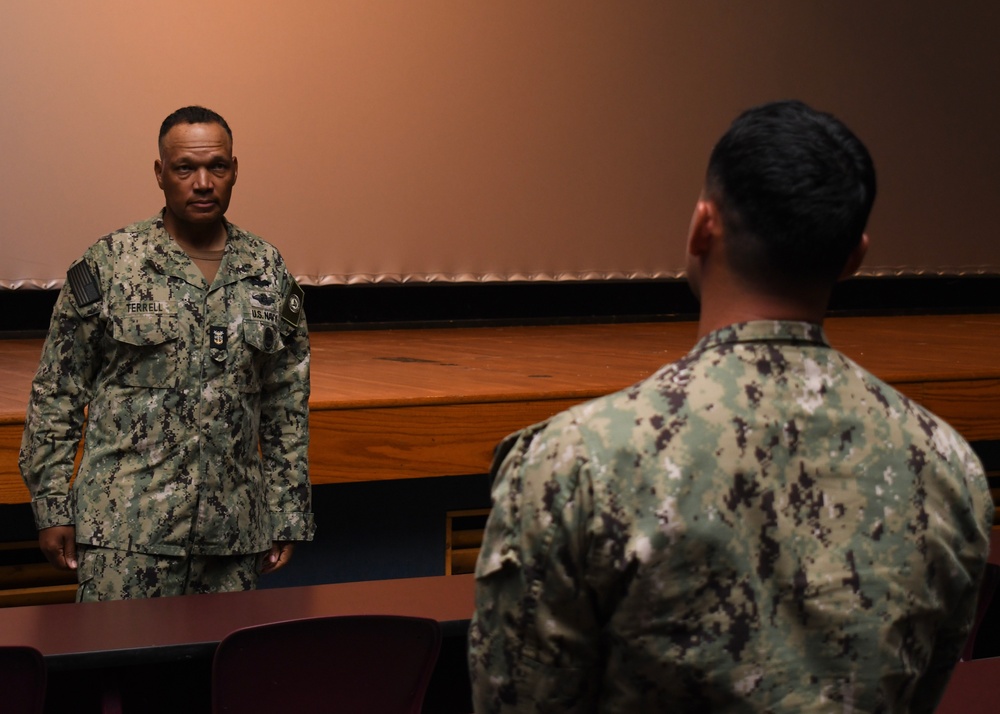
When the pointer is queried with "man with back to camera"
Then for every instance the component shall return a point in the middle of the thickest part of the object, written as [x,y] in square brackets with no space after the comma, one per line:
[185,338]
[761,526]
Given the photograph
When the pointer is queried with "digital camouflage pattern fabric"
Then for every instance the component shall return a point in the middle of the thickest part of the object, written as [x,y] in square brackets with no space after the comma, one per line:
[196,396]
[109,574]
[761,526]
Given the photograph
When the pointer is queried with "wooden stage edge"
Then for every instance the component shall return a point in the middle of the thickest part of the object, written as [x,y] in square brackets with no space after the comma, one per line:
[399,404]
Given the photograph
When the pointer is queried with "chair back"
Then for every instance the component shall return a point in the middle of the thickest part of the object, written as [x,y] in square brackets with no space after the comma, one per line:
[22,679]
[987,591]
[366,663]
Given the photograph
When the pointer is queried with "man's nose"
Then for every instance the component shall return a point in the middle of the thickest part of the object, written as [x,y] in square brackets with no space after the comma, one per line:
[202,180]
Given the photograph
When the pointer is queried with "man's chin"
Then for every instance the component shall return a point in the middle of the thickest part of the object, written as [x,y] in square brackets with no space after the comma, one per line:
[201,217]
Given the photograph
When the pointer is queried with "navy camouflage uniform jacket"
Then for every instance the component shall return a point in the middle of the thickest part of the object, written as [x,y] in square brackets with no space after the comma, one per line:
[762,526]
[196,400]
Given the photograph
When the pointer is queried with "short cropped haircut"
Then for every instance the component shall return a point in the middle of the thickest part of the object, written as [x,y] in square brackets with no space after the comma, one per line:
[193,115]
[795,188]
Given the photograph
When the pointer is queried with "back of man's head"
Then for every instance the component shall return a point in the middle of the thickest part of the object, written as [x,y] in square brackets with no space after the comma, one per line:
[193,115]
[795,188]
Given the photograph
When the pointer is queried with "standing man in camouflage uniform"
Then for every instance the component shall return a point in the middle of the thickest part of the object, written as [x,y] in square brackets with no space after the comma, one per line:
[761,526]
[184,338]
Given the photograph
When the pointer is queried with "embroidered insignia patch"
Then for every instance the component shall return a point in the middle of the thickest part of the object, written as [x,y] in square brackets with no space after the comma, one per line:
[291,311]
[217,337]
[81,282]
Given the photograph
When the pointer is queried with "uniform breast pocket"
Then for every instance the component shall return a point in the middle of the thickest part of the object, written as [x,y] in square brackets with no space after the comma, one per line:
[145,351]
[261,341]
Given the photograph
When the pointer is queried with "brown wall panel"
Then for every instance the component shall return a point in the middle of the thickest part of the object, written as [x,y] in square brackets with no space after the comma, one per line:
[456,140]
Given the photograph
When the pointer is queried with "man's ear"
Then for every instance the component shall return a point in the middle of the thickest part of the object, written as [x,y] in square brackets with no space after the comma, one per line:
[158,170]
[706,227]
[236,170]
[855,259]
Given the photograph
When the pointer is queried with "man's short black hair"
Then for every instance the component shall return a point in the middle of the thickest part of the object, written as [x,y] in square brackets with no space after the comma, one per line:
[193,115]
[795,188]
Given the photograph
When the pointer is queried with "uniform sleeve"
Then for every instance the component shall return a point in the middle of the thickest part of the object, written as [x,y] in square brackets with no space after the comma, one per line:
[959,582]
[61,389]
[534,639]
[284,434]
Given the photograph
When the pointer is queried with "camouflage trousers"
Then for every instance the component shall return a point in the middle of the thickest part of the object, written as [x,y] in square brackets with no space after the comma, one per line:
[108,574]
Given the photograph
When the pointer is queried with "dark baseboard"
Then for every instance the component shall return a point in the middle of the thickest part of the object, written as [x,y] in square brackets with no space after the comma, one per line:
[25,313]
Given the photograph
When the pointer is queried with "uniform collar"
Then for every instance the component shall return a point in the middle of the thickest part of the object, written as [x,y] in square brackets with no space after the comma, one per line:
[765,331]
[242,258]
[168,258]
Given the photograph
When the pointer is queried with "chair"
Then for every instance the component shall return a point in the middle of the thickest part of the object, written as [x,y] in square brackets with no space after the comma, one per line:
[987,590]
[22,679]
[348,664]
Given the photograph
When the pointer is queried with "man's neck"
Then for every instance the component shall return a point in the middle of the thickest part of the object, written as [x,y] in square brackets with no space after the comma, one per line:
[716,314]
[208,237]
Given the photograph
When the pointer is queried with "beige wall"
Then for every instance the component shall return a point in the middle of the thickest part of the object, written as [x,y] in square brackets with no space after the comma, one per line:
[485,139]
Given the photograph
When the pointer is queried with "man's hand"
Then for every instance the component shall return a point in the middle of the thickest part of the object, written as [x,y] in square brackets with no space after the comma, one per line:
[277,557]
[58,543]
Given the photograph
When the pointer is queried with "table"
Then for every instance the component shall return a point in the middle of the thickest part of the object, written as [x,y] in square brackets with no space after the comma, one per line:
[85,635]
[97,651]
